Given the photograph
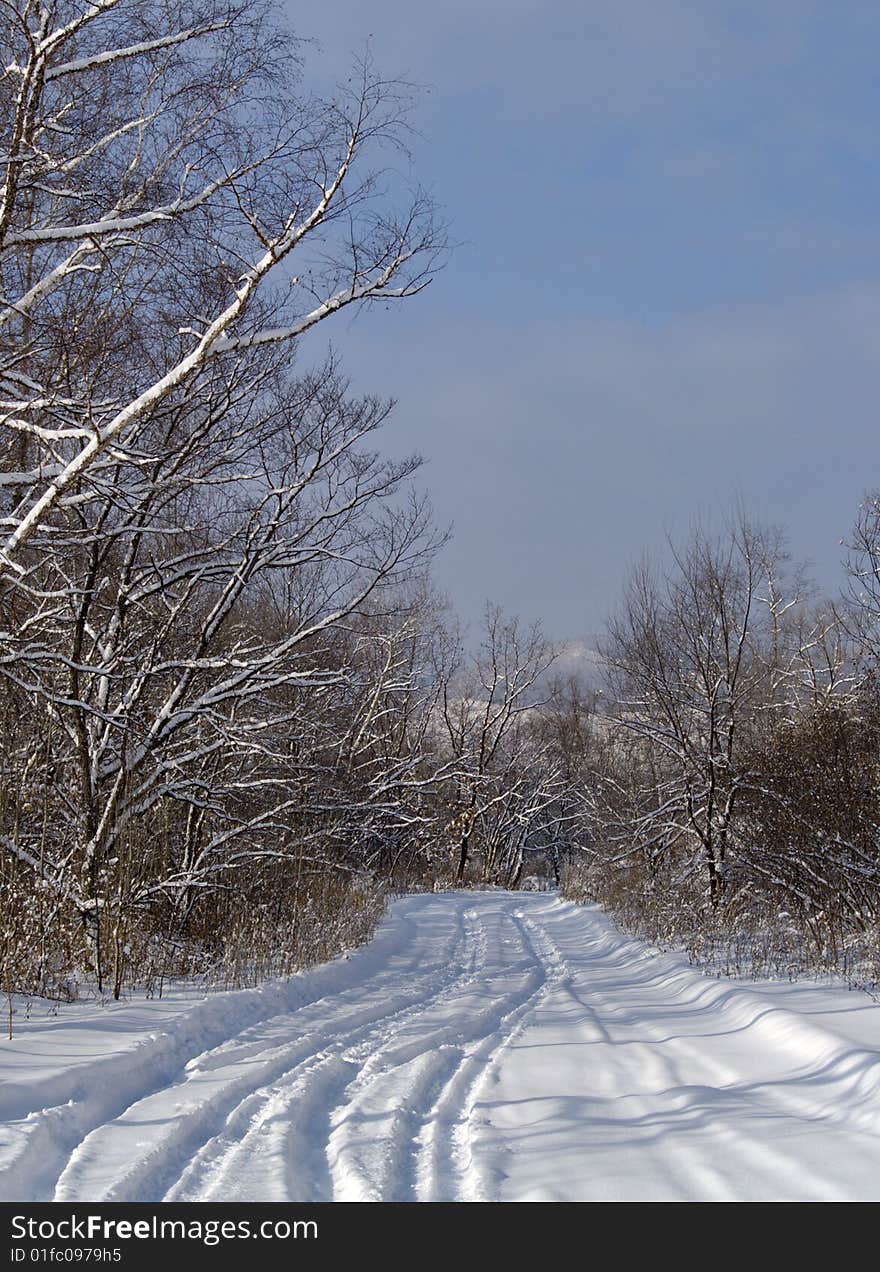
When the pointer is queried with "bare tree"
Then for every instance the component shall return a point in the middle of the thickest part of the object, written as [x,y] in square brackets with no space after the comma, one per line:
[482,703]
[163,172]
[568,725]
[183,602]
[686,661]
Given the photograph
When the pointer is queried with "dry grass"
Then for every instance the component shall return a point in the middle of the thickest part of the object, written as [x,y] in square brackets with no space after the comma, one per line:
[750,936]
[236,937]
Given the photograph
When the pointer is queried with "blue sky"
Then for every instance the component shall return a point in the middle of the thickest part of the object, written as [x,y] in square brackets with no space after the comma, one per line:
[667,290]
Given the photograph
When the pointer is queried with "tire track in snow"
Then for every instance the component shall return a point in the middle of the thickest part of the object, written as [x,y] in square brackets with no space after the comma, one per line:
[363,1105]
[45,1133]
[226,1086]
[446,1168]
[289,1118]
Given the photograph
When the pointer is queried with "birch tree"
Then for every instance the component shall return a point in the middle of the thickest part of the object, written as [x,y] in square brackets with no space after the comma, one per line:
[172,199]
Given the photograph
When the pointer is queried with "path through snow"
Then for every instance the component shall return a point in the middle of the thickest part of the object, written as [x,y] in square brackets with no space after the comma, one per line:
[483,1046]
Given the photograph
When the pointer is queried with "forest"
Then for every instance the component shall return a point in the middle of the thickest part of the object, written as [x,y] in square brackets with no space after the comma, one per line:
[237,712]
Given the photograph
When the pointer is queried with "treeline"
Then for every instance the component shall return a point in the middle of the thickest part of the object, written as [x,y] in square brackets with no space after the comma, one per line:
[233,709]
[734,767]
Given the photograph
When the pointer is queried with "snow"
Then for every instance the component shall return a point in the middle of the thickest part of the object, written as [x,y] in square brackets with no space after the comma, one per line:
[484,1046]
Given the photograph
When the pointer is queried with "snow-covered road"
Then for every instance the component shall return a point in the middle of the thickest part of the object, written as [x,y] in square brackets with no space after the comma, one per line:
[483,1046]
